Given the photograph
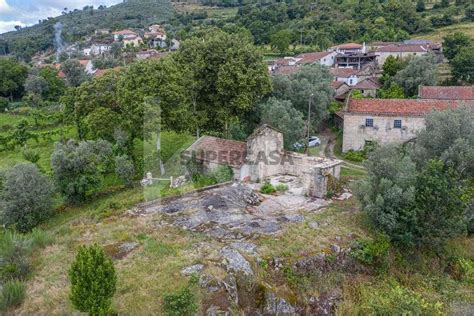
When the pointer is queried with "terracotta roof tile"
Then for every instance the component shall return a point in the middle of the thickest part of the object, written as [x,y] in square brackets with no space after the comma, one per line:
[308,58]
[343,72]
[124,32]
[348,46]
[401,107]
[219,150]
[368,84]
[447,93]
[402,48]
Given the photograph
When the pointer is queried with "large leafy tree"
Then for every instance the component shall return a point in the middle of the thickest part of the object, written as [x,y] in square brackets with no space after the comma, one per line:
[94,107]
[449,136]
[422,196]
[282,115]
[56,85]
[12,78]
[420,71]
[75,73]
[453,43]
[309,82]
[162,81]
[227,77]
[463,65]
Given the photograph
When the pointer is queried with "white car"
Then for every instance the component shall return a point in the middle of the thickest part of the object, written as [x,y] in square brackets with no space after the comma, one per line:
[313,141]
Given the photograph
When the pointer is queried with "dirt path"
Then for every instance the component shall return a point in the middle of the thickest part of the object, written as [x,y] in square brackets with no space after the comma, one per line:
[328,141]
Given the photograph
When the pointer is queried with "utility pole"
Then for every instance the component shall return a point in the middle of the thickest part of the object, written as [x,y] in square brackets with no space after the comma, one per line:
[309,122]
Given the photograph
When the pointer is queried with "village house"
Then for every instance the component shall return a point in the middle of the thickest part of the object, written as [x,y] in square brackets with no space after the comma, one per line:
[400,51]
[385,121]
[446,93]
[102,32]
[149,53]
[346,75]
[341,90]
[368,87]
[321,58]
[349,48]
[97,49]
[124,34]
[263,156]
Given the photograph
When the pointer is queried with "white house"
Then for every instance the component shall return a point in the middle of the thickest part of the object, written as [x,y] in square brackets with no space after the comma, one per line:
[322,58]
[346,75]
[97,49]
[124,34]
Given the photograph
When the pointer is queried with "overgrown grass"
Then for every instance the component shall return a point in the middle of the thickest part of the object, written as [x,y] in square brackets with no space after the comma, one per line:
[437,34]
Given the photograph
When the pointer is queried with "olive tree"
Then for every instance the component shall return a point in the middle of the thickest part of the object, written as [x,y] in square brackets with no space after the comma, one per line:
[420,71]
[79,166]
[282,115]
[27,197]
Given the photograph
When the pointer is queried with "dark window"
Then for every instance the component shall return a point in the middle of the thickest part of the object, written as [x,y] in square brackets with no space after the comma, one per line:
[397,124]
[369,122]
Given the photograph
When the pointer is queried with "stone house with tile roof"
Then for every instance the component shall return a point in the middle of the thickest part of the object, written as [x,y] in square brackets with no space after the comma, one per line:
[386,121]
[263,156]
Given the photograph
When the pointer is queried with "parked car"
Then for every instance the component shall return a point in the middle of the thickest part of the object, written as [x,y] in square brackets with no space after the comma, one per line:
[313,141]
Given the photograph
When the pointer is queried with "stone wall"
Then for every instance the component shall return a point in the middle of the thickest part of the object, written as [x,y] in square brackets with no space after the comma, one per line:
[356,133]
[264,152]
[384,55]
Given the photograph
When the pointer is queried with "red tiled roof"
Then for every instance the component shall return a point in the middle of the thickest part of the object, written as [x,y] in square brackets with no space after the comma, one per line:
[337,84]
[343,72]
[348,46]
[368,84]
[285,70]
[399,48]
[307,58]
[401,107]
[84,62]
[61,74]
[219,150]
[124,32]
[447,93]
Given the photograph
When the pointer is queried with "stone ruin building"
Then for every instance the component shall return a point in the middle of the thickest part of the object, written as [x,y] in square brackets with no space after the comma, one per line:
[263,156]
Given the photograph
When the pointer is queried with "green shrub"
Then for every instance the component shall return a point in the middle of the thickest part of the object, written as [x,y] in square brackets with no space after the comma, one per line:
[13,253]
[31,155]
[372,252]
[181,303]
[267,188]
[281,187]
[223,174]
[13,294]
[93,281]
[334,186]
[397,300]
[201,180]
[356,156]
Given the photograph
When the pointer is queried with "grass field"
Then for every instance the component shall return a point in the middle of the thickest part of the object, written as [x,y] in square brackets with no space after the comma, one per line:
[438,34]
